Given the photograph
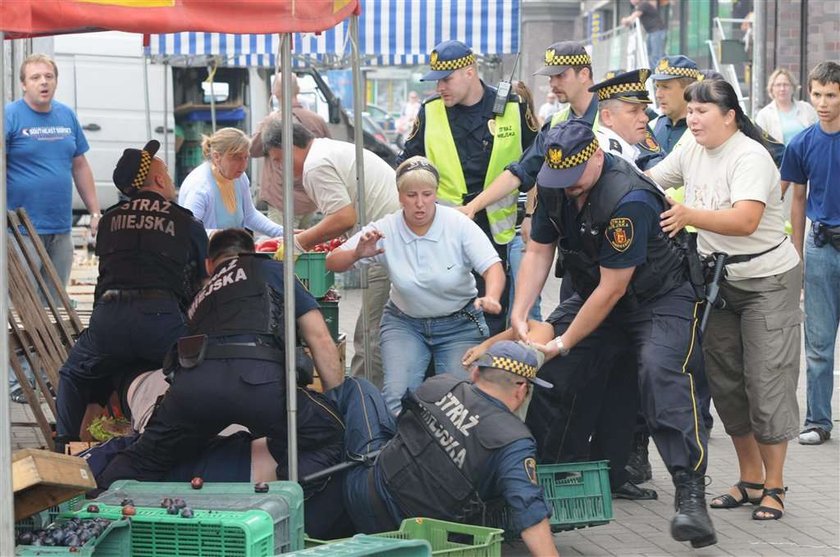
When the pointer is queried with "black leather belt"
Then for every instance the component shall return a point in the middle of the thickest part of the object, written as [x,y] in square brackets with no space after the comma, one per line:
[244,351]
[136,294]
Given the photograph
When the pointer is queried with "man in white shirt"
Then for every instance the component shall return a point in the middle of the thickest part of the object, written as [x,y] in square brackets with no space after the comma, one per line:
[327,168]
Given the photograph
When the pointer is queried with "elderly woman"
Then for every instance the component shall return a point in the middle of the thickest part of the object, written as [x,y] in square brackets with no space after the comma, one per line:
[752,344]
[429,252]
[218,192]
[785,116]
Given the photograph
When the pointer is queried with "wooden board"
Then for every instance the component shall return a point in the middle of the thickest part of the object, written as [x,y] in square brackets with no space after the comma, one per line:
[43,479]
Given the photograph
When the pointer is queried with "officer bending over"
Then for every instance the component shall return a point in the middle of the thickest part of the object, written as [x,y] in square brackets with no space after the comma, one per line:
[458,452]
[231,371]
[151,263]
[629,277]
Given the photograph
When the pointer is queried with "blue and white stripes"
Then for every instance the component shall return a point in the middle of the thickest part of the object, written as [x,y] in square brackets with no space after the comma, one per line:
[391,32]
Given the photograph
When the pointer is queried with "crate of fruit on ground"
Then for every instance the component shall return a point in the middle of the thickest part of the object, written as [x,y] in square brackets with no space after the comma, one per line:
[310,266]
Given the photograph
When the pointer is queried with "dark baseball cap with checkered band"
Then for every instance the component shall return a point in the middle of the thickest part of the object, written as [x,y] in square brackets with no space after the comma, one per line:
[561,56]
[447,57]
[133,168]
[627,87]
[568,146]
[515,358]
[673,67]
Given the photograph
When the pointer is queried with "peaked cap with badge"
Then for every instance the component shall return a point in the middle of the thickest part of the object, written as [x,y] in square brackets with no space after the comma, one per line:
[673,67]
[628,87]
[561,56]
[447,57]
[133,168]
[568,146]
[515,358]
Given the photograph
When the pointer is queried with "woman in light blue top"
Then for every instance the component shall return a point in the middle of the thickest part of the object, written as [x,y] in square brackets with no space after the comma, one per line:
[429,252]
[218,192]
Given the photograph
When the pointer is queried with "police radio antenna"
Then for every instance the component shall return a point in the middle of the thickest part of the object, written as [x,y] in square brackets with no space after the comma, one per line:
[503,90]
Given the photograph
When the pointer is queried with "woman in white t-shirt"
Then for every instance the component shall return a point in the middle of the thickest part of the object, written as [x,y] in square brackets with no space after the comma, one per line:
[429,252]
[752,344]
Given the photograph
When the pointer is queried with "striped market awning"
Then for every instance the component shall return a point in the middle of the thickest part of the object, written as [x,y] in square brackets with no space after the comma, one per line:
[391,32]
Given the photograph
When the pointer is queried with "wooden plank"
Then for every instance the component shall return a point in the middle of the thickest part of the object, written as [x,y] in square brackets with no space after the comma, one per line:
[34,402]
[43,479]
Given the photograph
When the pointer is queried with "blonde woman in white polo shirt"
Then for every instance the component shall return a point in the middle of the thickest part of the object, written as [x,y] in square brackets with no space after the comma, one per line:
[751,346]
[429,252]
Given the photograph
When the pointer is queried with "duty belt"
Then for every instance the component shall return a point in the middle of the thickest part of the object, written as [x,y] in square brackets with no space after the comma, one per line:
[135,294]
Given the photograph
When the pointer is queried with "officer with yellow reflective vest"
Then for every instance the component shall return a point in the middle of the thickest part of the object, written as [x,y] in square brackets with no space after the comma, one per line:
[470,143]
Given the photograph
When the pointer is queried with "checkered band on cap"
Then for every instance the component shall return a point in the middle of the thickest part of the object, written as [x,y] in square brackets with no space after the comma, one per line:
[517,368]
[616,90]
[142,170]
[554,59]
[555,160]
[439,65]
[666,68]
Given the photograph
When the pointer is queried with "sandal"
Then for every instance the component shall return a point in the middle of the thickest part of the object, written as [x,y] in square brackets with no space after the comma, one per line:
[727,501]
[775,514]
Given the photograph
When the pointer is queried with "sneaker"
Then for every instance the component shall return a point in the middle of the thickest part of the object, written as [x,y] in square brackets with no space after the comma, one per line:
[16,395]
[814,436]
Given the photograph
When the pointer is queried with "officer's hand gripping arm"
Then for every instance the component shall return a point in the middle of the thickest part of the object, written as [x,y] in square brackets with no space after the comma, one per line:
[533,271]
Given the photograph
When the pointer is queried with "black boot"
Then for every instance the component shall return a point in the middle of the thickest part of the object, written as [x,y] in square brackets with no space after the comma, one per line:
[638,462]
[692,522]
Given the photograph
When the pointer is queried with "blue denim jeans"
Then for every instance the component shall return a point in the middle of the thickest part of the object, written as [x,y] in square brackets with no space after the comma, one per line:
[409,343]
[655,43]
[516,249]
[822,316]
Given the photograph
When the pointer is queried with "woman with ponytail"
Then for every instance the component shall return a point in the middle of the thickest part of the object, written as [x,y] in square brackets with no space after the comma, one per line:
[752,343]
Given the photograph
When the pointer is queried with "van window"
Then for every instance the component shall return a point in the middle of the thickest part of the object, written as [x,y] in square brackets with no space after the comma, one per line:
[219,90]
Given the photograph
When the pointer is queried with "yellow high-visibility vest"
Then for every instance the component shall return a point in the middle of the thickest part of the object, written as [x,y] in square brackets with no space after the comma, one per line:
[507,147]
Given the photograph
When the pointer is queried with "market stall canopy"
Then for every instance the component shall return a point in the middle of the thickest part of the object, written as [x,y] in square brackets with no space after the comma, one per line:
[392,32]
[31,18]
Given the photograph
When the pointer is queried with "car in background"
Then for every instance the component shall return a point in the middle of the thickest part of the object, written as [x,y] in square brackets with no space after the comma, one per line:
[385,119]
[376,139]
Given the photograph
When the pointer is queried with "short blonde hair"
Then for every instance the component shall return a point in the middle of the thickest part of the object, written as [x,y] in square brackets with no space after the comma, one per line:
[775,75]
[417,169]
[224,141]
[37,59]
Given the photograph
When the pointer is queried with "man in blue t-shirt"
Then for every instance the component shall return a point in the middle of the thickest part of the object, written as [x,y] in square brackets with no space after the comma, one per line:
[812,164]
[45,154]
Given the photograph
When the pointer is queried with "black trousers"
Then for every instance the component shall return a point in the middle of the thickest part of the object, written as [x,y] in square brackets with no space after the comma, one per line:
[208,398]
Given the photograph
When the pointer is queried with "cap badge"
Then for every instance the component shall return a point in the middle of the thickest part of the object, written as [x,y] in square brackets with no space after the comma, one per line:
[434,57]
[549,56]
[555,156]
[663,65]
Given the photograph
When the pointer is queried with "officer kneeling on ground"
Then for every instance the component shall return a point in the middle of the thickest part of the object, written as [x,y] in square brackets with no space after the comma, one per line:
[458,452]
[151,263]
[626,274]
[231,371]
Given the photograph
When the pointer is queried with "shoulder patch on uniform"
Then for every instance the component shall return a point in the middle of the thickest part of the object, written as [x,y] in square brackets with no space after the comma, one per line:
[615,145]
[414,128]
[531,469]
[533,125]
[651,143]
[619,233]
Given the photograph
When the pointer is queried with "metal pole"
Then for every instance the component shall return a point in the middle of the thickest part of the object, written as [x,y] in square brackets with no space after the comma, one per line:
[759,38]
[166,113]
[288,256]
[211,70]
[7,511]
[146,96]
[358,138]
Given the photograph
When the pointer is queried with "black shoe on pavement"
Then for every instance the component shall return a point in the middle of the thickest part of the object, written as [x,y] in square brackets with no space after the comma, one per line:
[638,463]
[633,492]
[692,523]
[17,395]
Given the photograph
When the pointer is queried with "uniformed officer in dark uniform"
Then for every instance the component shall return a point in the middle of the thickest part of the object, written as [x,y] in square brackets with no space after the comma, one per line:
[470,144]
[151,262]
[231,370]
[458,452]
[628,277]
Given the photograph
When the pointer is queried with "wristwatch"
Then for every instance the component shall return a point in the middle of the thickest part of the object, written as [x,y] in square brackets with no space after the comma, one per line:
[561,348]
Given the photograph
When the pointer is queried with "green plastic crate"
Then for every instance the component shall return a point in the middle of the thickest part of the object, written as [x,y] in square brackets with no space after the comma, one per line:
[449,538]
[579,493]
[283,501]
[365,546]
[311,269]
[47,517]
[330,312]
[154,533]
[115,541]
